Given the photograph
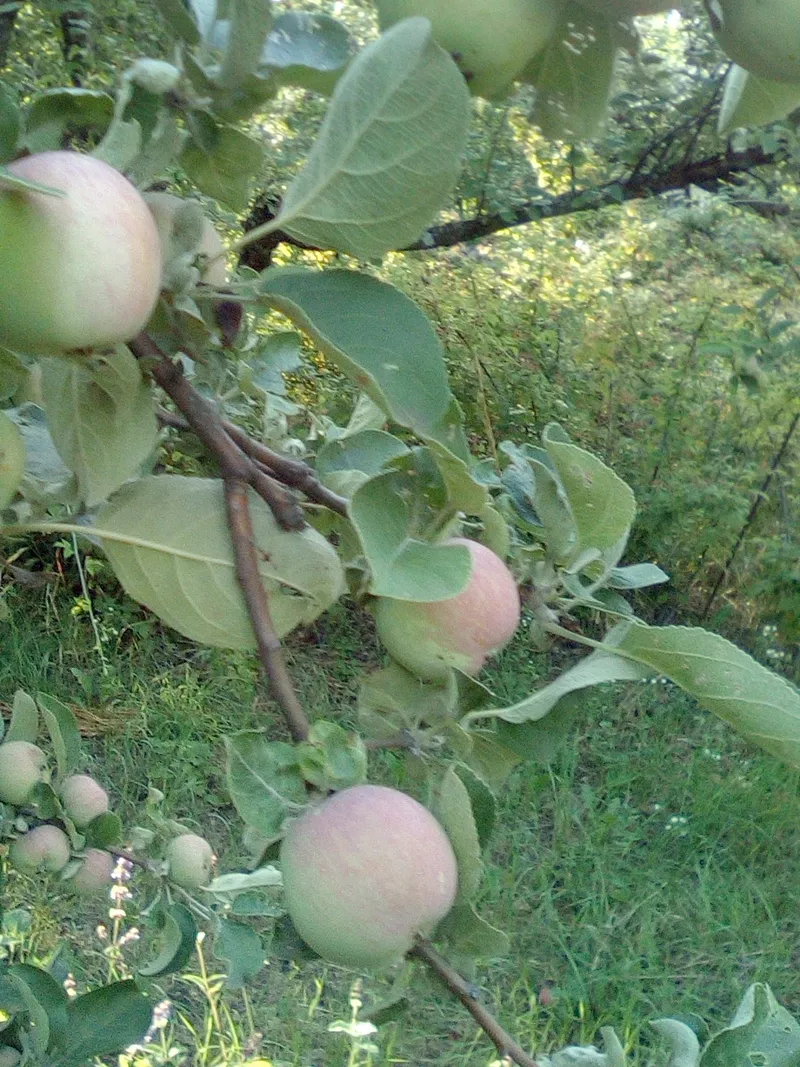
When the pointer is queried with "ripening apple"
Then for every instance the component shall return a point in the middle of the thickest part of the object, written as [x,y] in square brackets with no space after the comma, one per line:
[363,872]
[166,210]
[763,36]
[94,874]
[461,632]
[190,861]
[490,40]
[83,798]
[78,271]
[22,767]
[45,848]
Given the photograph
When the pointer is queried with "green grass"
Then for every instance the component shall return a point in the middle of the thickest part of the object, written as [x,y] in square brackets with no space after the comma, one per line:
[653,869]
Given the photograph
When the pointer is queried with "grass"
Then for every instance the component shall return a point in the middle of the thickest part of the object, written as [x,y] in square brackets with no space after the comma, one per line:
[652,870]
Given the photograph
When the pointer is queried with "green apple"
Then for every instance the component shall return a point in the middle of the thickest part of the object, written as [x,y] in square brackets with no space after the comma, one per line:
[94,874]
[83,798]
[363,872]
[45,848]
[491,40]
[190,861]
[763,36]
[462,632]
[77,271]
[22,767]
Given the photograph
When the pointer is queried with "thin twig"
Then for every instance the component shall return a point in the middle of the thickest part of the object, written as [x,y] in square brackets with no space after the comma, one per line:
[291,472]
[459,987]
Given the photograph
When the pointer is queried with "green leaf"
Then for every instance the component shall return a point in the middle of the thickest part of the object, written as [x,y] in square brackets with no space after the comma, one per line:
[64,733]
[540,740]
[482,801]
[226,170]
[601,504]
[168,541]
[101,414]
[10,124]
[177,938]
[42,461]
[596,668]
[749,100]
[403,567]
[491,759]
[179,20]
[389,151]
[12,460]
[104,830]
[573,76]
[348,462]
[453,808]
[103,1022]
[13,374]
[637,576]
[249,24]
[263,779]
[332,757]
[380,339]
[308,49]
[37,1023]
[684,1046]
[471,936]
[57,113]
[752,699]
[392,699]
[241,946]
[760,1032]
[50,997]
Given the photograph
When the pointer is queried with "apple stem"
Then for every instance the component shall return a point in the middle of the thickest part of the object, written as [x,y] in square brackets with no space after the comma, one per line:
[507,1047]
[239,473]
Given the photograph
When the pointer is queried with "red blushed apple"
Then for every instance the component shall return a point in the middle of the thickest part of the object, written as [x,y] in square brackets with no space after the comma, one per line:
[363,872]
[463,631]
[79,271]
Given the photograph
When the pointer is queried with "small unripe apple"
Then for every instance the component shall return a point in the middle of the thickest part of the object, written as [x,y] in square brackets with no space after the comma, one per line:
[80,271]
[463,631]
[84,799]
[190,861]
[45,848]
[364,872]
[22,767]
[490,40]
[763,36]
[94,874]
[166,210]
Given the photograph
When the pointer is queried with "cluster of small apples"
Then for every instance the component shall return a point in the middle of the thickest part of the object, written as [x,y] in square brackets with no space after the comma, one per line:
[462,632]
[83,269]
[47,847]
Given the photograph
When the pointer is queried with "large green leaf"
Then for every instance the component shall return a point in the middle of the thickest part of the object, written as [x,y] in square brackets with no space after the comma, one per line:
[102,1022]
[224,165]
[402,566]
[378,338]
[573,76]
[453,808]
[761,705]
[241,946]
[347,462]
[748,100]
[264,780]
[168,541]
[24,725]
[58,112]
[64,734]
[389,151]
[760,1032]
[177,937]
[308,49]
[101,415]
[601,504]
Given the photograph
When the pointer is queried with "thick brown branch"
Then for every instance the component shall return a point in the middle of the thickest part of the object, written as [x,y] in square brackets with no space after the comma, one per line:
[459,987]
[269,646]
[290,472]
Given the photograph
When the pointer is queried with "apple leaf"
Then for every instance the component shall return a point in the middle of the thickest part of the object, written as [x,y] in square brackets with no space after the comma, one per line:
[332,757]
[389,150]
[682,1041]
[249,23]
[471,936]
[103,1022]
[636,576]
[177,935]
[241,947]
[64,733]
[453,808]
[10,124]
[24,725]
[168,541]
[347,462]
[380,339]
[761,1031]
[749,100]
[179,19]
[573,76]
[482,801]
[101,414]
[308,49]
[224,168]
[12,459]
[58,113]
[13,374]
[264,780]
[402,566]
[392,699]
